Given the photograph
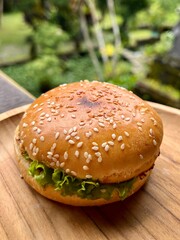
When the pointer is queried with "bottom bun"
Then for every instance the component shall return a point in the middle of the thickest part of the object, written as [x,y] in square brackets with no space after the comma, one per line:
[51,193]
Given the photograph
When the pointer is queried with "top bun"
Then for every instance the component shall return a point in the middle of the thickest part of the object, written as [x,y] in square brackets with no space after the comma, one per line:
[92,130]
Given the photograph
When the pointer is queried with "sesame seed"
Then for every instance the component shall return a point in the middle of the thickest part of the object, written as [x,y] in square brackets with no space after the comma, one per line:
[38,130]
[35,128]
[42,138]
[62,115]
[67,170]
[141,156]
[88,134]
[62,164]
[79,144]
[140,129]
[111,143]
[67,137]
[49,119]
[76,153]
[54,159]
[142,112]
[94,143]
[71,142]
[57,163]
[73,116]
[31,146]
[106,148]
[154,121]
[56,155]
[82,123]
[85,168]
[70,130]
[114,125]
[142,120]
[126,133]
[151,131]
[32,123]
[53,110]
[88,176]
[34,149]
[74,129]
[39,109]
[73,134]
[65,155]
[98,154]
[122,146]
[101,124]
[99,159]
[154,142]
[104,144]
[77,137]
[65,131]
[133,114]
[73,173]
[41,122]
[35,105]
[34,140]
[50,153]
[88,160]
[127,119]
[57,135]
[25,125]
[47,115]
[49,156]
[96,129]
[113,136]
[120,138]
[95,148]
[139,124]
[54,146]
[90,156]
[122,116]
[52,164]
[86,154]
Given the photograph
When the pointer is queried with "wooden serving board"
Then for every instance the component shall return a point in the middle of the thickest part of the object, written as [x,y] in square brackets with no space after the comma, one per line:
[151,213]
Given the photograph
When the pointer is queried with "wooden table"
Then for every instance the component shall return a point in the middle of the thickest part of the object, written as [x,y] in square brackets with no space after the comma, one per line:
[152,213]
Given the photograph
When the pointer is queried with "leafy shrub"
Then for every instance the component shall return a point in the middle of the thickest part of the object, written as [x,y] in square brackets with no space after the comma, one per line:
[122,75]
[39,75]
[48,38]
[162,46]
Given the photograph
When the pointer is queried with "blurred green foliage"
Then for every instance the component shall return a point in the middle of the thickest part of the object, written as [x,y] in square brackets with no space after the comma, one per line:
[164,88]
[47,72]
[160,13]
[48,38]
[57,48]
[162,46]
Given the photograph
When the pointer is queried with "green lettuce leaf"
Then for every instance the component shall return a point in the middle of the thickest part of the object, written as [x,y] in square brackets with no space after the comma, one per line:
[70,185]
[26,156]
[40,172]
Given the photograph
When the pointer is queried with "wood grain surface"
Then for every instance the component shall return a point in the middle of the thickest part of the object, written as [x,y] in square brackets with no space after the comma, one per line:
[152,213]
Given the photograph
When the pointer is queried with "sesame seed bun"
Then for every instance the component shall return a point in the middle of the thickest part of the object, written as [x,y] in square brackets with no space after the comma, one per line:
[92,130]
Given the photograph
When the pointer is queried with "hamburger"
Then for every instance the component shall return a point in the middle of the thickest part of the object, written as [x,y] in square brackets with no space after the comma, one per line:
[88,143]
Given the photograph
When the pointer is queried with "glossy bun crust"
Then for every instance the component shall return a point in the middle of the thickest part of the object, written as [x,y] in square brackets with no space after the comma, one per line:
[92,130]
